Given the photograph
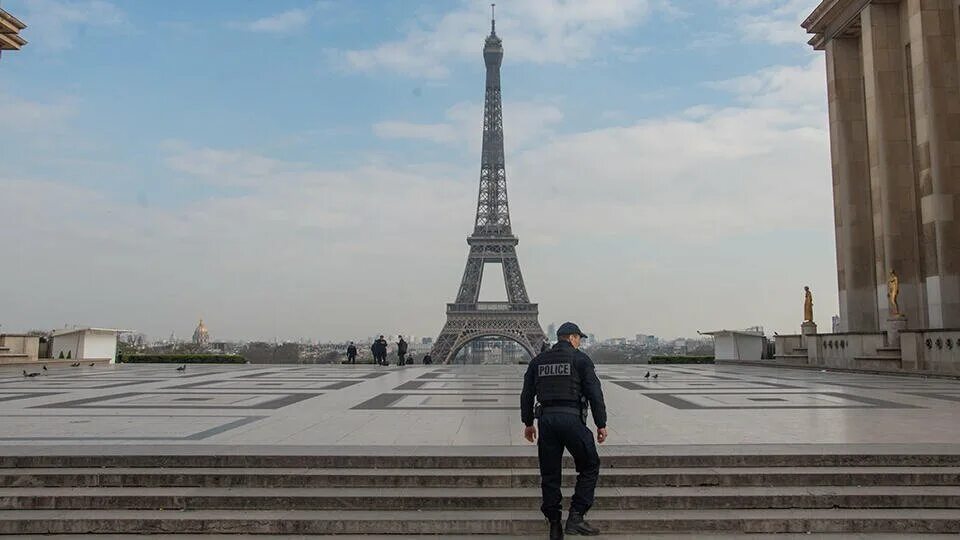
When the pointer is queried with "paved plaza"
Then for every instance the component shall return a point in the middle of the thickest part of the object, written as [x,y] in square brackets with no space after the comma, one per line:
[447,406]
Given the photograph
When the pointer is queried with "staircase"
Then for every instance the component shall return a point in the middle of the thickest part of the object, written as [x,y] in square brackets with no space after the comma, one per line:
[473,495]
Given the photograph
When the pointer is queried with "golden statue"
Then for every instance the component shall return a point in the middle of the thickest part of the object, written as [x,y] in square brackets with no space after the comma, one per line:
[893,292]
[807,305]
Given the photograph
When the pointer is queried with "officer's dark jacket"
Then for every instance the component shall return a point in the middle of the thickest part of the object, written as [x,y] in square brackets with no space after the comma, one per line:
[564,352]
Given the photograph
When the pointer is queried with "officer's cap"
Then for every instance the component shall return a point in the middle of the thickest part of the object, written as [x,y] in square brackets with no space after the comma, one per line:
[568,329]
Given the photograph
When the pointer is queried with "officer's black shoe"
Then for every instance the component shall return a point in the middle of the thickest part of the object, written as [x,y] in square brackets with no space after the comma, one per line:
[556,530]
[576,525]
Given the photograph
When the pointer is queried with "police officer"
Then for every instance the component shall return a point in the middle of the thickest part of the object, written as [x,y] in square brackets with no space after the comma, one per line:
[563,381]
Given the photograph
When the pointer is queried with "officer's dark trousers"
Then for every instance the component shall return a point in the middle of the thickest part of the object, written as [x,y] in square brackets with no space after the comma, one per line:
[559,431]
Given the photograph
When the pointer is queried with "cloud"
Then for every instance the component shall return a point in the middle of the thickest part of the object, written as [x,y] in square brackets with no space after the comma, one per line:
[284,22]
[31,116]
[715,196]
[279,23]
[782,86]
[55,25]
[711,173]
[224,167]
[525,122]
[537,31]
[771,21]
[315,243]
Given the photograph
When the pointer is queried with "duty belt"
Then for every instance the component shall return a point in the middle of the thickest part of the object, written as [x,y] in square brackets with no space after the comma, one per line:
[561,409]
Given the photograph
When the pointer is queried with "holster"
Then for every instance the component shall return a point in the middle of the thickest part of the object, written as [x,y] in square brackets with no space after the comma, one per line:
[537,410]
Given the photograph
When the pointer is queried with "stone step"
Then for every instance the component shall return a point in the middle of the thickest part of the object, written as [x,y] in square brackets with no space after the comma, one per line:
[15,358]
[472,499]
[478,478]
[798,359]
[22,522]
[398,461]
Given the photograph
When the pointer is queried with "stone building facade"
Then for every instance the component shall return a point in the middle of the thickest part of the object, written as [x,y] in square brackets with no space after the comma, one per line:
[894,102]
[10,28]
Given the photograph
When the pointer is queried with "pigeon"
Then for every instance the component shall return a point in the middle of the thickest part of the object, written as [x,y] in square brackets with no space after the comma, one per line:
[92,364]
[25,374]
[44,368]
[75,364]
[182,368]
[655,375]
[647,376]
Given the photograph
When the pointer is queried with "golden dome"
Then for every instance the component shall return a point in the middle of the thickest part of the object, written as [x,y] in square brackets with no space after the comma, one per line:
[201,335]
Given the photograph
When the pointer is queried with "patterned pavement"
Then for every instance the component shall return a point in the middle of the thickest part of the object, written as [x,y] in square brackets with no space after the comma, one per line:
[463,406]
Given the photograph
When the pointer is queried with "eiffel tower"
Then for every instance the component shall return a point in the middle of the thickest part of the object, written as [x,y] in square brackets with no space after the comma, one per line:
[492,241]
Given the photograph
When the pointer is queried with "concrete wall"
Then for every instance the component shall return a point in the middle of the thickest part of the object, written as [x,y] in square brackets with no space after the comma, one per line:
[100,346]
[848,351]
[89,345]
[788,344]
[738,347]
[67,342]
[26,348]
[28,345]
[936,351]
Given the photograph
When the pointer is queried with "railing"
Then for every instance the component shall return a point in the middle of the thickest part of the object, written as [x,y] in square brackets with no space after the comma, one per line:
[492,306]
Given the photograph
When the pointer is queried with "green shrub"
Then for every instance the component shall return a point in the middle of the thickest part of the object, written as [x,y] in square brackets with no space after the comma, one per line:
[681,360]
[182,359]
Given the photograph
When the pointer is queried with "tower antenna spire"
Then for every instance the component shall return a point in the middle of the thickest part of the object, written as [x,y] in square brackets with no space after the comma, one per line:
[493,19]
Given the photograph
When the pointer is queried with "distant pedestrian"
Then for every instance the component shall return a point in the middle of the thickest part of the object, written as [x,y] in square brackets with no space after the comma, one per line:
[427,360]
[382,346]
[401,350]
[545,346]
[379,350]
[352,353]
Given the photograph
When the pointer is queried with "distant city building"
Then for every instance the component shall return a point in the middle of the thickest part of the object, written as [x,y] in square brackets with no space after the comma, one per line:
[552,331]
[201,336]
[10,28]
[835,324]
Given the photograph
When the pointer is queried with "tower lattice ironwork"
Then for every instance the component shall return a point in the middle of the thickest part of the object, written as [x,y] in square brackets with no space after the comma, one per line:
[492,241]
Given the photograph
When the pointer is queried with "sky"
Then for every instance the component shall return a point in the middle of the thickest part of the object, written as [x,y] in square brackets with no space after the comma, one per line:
[309,169]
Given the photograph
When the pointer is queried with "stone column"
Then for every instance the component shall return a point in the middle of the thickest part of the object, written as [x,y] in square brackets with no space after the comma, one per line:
[853,215]
[933,39]
[892,186]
